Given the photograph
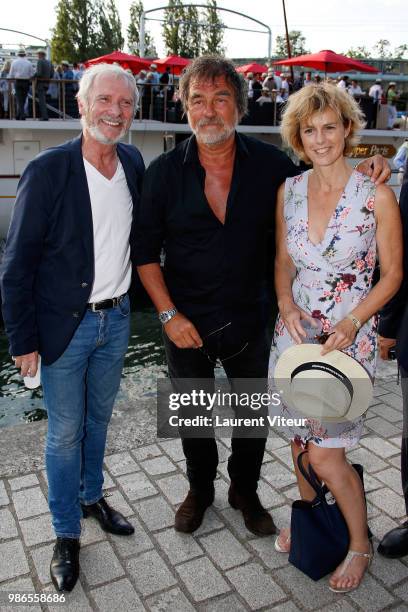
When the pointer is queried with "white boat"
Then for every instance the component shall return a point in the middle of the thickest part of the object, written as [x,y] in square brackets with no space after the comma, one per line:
[21,141]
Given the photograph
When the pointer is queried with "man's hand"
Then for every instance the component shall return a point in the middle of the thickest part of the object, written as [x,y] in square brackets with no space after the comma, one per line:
[377,167]
[182,332]
[28,364]
[384,345]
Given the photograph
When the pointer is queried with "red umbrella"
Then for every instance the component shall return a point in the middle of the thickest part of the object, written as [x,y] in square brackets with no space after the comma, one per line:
[136,64]
[254,67]
[176,63]
[328,61]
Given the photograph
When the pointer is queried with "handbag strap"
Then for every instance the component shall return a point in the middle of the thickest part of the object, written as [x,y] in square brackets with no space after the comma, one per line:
[309,475]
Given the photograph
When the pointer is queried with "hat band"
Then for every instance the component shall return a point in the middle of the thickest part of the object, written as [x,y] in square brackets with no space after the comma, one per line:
[324,367]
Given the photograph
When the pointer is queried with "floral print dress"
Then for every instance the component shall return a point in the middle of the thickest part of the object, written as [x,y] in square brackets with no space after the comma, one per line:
[332,278]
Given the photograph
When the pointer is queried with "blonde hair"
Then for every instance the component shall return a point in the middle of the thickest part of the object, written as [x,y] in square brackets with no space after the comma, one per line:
[316,99]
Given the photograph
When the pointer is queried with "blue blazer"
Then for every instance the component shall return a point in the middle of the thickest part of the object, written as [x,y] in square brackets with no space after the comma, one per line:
[394,316]
[47,271]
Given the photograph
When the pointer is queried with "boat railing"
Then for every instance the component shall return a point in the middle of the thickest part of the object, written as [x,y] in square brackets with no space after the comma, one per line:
[156,102]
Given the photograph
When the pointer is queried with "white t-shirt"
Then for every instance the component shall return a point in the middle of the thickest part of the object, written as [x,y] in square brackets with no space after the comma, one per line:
[112,206]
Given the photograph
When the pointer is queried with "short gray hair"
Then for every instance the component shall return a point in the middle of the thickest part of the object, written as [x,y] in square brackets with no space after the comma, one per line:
[89,76]
[208,68]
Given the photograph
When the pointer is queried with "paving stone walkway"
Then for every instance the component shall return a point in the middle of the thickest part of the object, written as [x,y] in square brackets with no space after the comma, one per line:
[222,567]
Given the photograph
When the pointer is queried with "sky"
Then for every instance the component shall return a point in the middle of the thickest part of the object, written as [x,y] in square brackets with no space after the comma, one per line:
[326,24]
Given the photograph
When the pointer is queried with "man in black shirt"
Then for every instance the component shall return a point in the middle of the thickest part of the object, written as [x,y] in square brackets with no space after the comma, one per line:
[204,201]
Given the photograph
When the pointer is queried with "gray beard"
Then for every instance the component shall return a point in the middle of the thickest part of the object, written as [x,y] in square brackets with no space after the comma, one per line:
[215,138]
[97,135]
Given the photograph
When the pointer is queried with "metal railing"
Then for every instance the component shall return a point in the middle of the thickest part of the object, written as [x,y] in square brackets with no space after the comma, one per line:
[157,102]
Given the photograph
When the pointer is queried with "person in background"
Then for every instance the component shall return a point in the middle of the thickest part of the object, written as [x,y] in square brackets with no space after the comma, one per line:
[272,81]
[393,333]
[343,82]
[43,74]
[392,97]
[22,71]
[154,77]
[68,75]
[250,79]
[308,79]
[54,89]
[265,97]
[285,89]
[4,87]
[299,81]
[354,88]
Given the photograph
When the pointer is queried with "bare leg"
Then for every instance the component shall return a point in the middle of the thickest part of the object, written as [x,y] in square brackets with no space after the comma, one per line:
[306,492]
[331,465]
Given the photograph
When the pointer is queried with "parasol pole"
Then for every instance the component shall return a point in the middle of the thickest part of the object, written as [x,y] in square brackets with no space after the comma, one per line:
[288,41]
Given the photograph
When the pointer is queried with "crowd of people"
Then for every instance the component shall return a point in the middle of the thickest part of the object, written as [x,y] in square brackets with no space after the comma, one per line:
[265,89]
[270,87]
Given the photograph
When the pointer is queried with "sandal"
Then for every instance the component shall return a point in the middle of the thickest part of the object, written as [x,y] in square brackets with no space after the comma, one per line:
[283,547]
[349,557]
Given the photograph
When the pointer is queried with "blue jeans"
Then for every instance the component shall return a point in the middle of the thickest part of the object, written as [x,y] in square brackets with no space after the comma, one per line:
[79,393]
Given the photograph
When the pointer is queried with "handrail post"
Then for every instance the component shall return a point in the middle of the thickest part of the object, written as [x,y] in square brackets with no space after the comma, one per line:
[33,91]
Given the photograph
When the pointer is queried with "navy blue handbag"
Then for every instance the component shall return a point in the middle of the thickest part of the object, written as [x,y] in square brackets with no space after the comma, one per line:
[319,534]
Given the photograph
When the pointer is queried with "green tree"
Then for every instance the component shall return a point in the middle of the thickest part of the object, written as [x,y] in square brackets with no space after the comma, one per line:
[84,29]
[400,52]
[358,53]
[382,49]
[297,44]
[190,33]
[213,33]
[133,35]
[173,16]
[110,28]
[61,43]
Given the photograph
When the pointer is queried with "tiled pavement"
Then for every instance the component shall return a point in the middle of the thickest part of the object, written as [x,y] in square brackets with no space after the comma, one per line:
[222,567]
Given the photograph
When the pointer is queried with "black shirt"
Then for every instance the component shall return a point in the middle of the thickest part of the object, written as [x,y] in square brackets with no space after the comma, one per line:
[213,272]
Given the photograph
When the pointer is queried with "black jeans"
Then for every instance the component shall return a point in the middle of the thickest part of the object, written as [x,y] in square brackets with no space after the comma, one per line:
[404,439]
[22,86]
[240,360]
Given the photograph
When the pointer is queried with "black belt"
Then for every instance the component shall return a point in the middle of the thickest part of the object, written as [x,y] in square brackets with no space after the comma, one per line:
[105,304]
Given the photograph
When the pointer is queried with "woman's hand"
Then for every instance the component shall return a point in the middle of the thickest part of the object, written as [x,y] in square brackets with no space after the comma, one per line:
[292,316]
[341,336]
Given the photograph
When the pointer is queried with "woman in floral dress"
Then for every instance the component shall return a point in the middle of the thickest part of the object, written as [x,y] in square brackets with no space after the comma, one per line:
[332,222]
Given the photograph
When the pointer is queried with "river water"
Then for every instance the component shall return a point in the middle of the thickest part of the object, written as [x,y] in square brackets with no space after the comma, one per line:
[145,361]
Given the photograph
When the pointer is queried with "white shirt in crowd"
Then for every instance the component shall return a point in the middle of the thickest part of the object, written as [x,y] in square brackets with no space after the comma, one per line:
[112,206]
[342,84]
[375,91]
[355,90]
[285,89]
[21,68]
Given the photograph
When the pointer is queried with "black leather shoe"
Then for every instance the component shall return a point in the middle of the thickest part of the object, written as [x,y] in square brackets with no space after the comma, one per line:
[109,519]
[64,568]
[395,543]
[257,520]
[190,514]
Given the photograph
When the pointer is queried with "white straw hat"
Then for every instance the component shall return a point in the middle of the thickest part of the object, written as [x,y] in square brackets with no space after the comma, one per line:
[331,388]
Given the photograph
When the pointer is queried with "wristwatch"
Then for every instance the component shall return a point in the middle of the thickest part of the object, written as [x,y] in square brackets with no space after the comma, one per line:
[166,315]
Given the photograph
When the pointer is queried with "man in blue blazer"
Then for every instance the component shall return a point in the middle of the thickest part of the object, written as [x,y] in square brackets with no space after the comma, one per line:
[64,281]
[393,328]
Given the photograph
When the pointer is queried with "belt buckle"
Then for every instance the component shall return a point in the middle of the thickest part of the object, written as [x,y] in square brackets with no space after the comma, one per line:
[93,305]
